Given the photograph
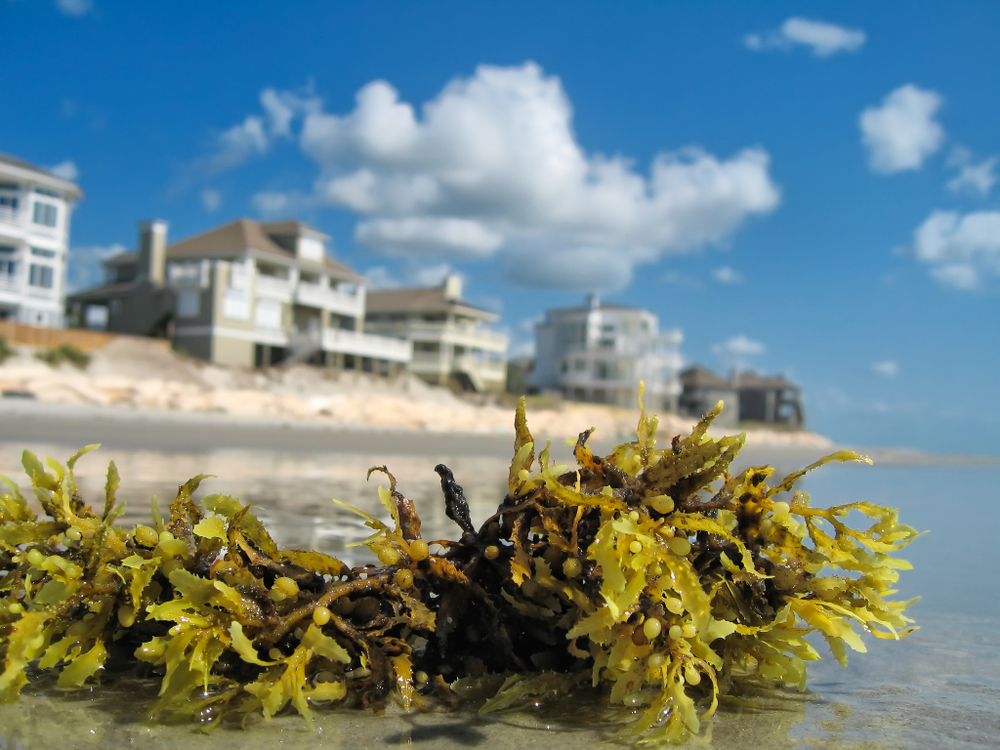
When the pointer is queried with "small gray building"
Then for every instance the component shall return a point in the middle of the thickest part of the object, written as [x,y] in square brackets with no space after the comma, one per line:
[749,397]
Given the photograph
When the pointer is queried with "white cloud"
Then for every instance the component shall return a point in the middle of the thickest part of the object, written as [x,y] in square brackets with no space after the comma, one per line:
[84,268]
[901,133]
[738,352]
[75,8]
[414,275]
[977,179]
[432,275]
[887,368]
[963,251]
[824,39]
[271,204]
[66,170]
[254,136]
[491,164]
[727,275]
[380,277]
[430,235]
[211,199]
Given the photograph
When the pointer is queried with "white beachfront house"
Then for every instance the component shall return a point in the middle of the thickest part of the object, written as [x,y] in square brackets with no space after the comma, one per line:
[451,338]
[35,208]
[600,352]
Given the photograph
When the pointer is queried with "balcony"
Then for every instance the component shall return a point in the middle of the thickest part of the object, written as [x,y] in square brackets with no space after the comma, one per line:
[10,215]
[274,287]
[452,333]
[325,298]
[366,345]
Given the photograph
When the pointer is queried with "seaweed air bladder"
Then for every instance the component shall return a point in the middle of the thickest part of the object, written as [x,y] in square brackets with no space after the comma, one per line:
[653,574]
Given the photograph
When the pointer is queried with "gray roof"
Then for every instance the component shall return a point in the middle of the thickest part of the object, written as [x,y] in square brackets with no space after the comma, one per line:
[229,240]
[72,189]
[421,300]
[701,377]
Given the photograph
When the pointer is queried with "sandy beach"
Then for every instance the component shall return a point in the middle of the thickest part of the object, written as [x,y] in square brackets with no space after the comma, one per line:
[131,380]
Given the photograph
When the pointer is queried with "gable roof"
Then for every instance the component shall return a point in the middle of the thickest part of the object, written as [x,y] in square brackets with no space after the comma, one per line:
[421,300]
[232,239]
[701,377]
[43,176]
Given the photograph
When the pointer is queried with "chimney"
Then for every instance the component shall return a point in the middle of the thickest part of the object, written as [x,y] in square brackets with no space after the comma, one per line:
[453,287]
[153,250]
[593,301]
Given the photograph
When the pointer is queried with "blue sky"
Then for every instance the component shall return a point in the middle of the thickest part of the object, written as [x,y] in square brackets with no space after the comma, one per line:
[805,188]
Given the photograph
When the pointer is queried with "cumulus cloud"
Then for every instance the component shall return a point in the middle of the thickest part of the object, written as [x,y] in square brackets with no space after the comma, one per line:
[254,136]
[415,274]
[962,251]
[977,179]
[211,199]
[824,39]
[727,275]
[738,352]
[901,133]
[492,165]
[83,267]
[428,235]
[66,170]
[887,368]
[75,8]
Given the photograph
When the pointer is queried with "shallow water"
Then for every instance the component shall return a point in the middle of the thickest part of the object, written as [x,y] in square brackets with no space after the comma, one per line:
[938,688]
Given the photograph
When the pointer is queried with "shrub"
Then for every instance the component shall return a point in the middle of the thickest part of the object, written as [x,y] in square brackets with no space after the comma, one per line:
[65,353]
[6,350]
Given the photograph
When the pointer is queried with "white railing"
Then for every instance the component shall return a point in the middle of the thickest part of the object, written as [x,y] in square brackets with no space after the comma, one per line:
[274,287]
[9,283]
[317,295]
[10,215]
[484,366]
[473,335]
[366,345]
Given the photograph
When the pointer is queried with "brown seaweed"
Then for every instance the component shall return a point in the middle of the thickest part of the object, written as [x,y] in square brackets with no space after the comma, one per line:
[652,573]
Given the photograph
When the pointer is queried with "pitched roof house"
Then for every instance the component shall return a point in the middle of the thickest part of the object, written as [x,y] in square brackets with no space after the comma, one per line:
[245,293]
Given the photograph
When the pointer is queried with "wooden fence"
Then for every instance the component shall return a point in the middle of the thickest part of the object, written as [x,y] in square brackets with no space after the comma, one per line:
[18,333]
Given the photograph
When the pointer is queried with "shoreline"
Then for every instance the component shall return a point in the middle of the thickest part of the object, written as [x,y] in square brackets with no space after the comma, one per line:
[76,425]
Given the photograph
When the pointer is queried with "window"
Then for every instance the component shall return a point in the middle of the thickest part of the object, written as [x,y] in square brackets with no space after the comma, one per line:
[45,214]
[8,269]
[50,193]
[235,305]
[268,315]
[41,252]
[188,304]
[41,276]
[8,201]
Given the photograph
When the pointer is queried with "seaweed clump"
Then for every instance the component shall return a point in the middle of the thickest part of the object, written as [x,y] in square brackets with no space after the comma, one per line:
[653,573]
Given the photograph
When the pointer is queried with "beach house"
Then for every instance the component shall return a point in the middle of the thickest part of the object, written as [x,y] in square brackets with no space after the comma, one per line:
[451,338]
[35,209]
[600,352]
[245,293]
[749,397]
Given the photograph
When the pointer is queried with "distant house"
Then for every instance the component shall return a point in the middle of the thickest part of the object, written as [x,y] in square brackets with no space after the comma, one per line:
[702,389]
[244,293]
[600,352]
[35,208]
[754,398]
[452,343]
[769,398]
